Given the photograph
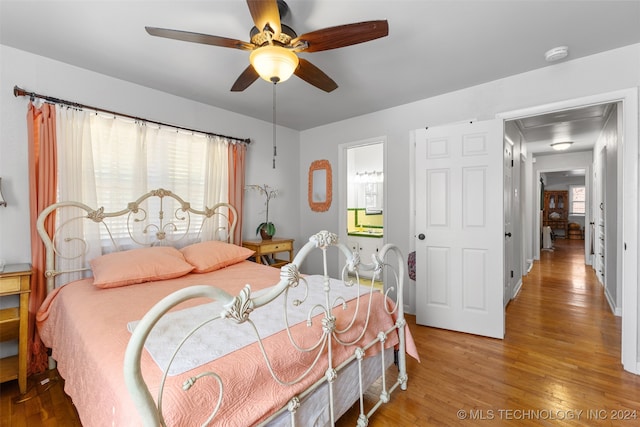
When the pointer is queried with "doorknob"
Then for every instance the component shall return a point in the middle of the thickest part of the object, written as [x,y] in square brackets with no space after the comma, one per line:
[421,236]
[507,234]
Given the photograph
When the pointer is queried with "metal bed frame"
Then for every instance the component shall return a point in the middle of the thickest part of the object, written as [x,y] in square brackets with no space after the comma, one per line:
[239,308]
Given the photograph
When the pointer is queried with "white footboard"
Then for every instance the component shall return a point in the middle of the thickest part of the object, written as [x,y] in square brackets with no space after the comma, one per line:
[335,332]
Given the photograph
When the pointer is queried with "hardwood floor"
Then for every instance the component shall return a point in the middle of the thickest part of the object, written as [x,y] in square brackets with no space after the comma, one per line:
[45,404]
[559,364]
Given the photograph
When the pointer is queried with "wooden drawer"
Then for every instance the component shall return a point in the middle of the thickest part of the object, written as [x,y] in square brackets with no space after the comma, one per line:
[9,284]
[265,251]
[275,247]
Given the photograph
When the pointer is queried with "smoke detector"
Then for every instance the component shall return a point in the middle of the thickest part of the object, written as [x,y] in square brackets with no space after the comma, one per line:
[556,53]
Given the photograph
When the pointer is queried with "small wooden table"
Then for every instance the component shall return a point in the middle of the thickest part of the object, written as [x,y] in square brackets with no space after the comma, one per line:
[265,250]
[15,280]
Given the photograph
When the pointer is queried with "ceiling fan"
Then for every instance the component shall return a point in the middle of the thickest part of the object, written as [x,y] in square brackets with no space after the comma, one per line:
[274,45]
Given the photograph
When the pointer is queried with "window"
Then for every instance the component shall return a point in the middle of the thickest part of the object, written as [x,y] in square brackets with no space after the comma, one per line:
[122,159]
[577,200]
[107,161]
[130,158]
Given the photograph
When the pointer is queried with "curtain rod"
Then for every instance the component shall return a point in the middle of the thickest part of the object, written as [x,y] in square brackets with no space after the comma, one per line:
[17,91]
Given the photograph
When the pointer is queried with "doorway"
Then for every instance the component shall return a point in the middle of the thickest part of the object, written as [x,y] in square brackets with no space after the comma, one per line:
[362,202]
[589,167]
[624,185]
[568,195]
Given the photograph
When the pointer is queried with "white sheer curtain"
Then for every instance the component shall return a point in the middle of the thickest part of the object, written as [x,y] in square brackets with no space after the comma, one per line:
[216,187]
[119,160]
[108,161]
[76,182]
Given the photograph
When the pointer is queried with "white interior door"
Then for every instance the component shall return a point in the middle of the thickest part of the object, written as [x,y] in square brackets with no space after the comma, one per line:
[459,228]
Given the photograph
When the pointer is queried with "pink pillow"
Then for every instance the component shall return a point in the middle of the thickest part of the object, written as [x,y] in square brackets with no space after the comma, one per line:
[138,266]
[214,255]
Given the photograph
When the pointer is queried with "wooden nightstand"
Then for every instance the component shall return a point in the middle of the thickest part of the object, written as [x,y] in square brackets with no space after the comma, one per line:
[15,280]
[266,250]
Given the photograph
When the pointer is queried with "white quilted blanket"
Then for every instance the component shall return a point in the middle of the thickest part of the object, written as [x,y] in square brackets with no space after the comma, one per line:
[223,336]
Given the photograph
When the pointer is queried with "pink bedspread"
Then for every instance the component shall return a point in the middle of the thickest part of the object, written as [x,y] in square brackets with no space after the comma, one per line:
[86,328]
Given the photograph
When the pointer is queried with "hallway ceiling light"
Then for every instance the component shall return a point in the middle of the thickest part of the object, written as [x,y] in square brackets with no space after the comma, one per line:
[560,146]
[556,53]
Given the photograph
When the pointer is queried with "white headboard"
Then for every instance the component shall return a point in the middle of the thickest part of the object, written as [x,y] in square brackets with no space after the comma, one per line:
[157,218]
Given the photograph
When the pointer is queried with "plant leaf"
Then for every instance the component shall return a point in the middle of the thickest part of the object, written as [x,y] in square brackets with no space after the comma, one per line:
[271,229]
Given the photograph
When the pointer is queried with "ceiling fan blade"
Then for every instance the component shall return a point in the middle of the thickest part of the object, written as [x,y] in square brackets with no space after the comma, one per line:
[199,38]
[248,76]
[265,12]
[343,35]
[315,76]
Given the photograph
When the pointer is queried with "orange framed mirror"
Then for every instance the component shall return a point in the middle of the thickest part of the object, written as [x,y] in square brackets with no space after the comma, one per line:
[320,183]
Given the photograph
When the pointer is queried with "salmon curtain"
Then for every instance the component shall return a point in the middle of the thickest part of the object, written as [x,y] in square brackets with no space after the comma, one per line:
[41,130]
[237,153]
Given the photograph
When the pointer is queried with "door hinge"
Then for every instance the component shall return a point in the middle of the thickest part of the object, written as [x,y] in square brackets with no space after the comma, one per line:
[512,274]
[511,162]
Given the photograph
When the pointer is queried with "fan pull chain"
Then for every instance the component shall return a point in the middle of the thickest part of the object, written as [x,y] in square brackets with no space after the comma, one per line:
[274,124]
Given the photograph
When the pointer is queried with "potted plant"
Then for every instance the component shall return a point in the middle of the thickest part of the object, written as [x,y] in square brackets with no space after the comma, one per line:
[266,229]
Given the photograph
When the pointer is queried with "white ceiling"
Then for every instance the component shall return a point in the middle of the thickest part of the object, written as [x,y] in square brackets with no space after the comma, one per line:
[580,126]
[562,177]
[433,47]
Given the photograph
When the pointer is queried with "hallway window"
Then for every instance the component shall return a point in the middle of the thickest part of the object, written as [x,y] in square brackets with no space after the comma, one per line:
[577,199]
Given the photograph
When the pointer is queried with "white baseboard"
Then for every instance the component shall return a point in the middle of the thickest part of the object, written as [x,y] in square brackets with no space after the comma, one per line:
[634,368]
[517,288]
[617,311]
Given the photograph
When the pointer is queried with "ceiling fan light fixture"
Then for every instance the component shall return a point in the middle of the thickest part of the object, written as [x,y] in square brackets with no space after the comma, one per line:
[274,63]
[274,45]
[560,146]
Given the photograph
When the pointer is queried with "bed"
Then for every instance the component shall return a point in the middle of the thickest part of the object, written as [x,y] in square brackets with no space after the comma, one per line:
[164,321]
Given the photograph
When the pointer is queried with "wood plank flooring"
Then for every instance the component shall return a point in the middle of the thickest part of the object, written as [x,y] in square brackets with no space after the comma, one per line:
[558,365]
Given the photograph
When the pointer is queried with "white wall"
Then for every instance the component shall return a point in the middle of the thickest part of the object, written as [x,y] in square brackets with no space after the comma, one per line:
[609,71]
[361,159]
[48,77]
